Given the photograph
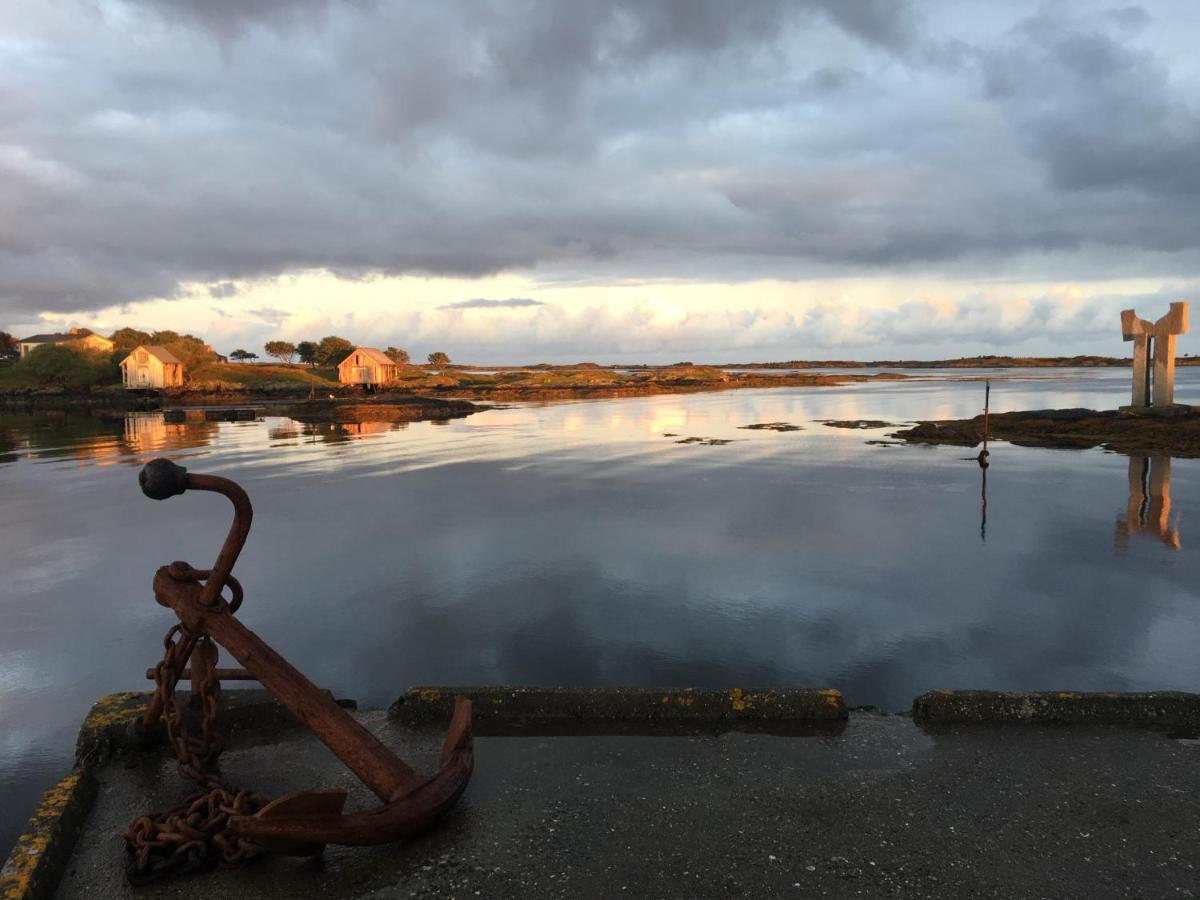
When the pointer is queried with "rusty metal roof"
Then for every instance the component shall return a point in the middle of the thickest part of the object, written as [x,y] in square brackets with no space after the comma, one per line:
[376,356]
[162,354]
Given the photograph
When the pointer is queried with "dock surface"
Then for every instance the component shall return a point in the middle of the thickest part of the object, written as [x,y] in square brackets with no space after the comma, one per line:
[882,809]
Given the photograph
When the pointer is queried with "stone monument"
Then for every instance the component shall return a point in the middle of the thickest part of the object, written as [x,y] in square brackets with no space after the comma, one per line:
[1157,338]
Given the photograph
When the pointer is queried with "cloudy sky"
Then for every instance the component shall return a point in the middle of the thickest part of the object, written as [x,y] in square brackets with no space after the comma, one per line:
[524,180]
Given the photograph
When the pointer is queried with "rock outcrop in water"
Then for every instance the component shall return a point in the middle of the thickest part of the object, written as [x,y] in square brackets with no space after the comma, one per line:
[1177,435]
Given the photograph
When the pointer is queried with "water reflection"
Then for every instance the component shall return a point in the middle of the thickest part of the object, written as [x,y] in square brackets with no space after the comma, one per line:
[151,433]
[572,543]
[135,436]
[96,440]
[983,470]
[1149,508]
[8,445]
[332,432]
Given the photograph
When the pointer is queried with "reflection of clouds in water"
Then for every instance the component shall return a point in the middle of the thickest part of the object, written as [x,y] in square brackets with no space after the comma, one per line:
[536,545]
[728,583]
[662,419]
[34,569]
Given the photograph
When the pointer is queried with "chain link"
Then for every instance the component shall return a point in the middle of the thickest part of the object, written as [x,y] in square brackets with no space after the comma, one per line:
[193,835]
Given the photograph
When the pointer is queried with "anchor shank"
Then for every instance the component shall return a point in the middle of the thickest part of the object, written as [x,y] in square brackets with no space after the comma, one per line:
[363,753]
[243,515]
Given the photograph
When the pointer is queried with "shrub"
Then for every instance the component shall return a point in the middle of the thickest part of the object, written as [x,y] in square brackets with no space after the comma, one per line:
[53,365]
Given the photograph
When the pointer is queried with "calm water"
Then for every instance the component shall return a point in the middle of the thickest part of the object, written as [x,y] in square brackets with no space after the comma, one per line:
[574,544]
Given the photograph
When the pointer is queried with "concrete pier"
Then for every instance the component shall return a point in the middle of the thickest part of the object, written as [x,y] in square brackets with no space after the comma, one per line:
[982,794]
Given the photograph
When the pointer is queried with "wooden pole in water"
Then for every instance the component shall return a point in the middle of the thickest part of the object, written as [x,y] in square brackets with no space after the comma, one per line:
[982,458]
[983,508]
[983,461]
[987,396]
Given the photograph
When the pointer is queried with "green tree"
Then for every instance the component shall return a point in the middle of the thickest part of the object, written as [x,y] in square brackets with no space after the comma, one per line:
[126,339]
[333,349]
[439,359]
[10,349]
[53,365]
[396,355]
[307,351]
[284,351]
[243,355]
[188,349]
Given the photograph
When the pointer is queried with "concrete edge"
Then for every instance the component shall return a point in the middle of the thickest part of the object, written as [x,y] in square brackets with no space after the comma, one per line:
[105,729]
[39,856]
[500,707]
[35,863]
[109,728]
[1160,709]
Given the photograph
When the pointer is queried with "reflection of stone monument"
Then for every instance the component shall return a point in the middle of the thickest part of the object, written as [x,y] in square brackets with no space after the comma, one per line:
[1149,508]
[1159,338]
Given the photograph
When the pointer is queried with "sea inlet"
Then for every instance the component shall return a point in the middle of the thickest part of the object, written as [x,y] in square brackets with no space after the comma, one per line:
[654,541]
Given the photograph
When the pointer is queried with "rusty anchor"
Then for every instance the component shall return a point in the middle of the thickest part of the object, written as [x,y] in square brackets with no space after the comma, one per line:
[222,825]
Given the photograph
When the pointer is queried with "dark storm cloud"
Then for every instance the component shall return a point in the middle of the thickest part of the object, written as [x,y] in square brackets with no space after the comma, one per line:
[148,145]
[1101,113]
[227,17]
[483,303]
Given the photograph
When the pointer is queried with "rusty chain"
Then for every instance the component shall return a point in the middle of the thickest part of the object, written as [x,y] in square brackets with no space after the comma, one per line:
[193,835]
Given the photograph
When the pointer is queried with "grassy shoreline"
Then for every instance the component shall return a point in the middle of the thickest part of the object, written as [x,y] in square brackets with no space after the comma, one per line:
[308,390]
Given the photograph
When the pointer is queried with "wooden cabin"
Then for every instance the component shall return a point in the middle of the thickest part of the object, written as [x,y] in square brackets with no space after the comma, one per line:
[150,366]
[367,366]
[76,339]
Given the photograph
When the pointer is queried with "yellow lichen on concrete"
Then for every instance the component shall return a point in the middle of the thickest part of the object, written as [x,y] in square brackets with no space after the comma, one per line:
[107,714]
[427,695]
[114,709]
[738,700]
[833,697]
[685,700]
[23,875]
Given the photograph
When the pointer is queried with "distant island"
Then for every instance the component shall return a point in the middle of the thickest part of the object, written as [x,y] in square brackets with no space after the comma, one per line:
[312,393]
[311,390]
[960,362]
